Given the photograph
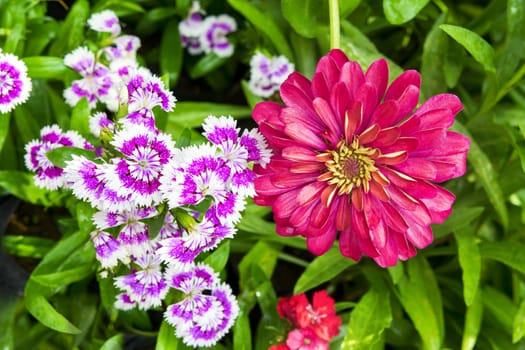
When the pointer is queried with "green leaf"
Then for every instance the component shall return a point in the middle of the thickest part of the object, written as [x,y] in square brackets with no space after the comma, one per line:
[368,320]
[470,261]
[219,257]
[44,312]
[60,156]
[8,311]
[80,118]
[473,319]
[116,342]
[242,335]
[166,340]
[420,296]
[4,128]
[305,16]
[206,65]
[322,269]
[487,175]
[474,44]
[263,25]
[262,255]
[46,67]
[401,11]
[192,114]
[21,185]
[71,33]
[518,328]
[14,21]
[27,246]
[65,277]
[500,306]
[171,52]
[509,253]
[460,217]
[433,60]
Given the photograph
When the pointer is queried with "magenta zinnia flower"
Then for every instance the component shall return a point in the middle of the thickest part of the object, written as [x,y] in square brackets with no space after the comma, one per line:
[352,159]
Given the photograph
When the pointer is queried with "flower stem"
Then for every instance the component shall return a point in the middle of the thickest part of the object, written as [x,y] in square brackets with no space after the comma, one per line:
[335,28]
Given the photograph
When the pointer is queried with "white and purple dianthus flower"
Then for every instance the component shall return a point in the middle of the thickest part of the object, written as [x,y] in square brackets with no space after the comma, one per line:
[268,73]
[214,35]
[191,28]
[137,173]
[100,121]
[145,286]
[108,249]
[124,47]
[96,83]
[15,85]
[47,174]
[105,22]
[208,308]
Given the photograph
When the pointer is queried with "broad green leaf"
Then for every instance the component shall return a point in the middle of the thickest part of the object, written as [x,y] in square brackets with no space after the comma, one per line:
[509,253]
[358,47]
[46,67]
[322,269]
[459,218]
[71,33]
[270,319]
[487,175]
[45,313]
[166,340]
[518,328]
[65,277]
[80,118]
[60,156]
[470,261]
[116,342]
[4,128]
[305,16]
[401,11]
[219,257]
[242,335]
[192,114]
[27,246]
[368,320]
[21,185]
[261,22]
[473,319]
[171,52]
[421,298]
[206,65]
[262,255]
[474,44]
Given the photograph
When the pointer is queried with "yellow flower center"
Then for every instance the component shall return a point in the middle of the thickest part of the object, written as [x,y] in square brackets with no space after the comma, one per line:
[348,166]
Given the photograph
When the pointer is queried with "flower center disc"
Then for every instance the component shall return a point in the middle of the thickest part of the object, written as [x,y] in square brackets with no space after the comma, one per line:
[349,166]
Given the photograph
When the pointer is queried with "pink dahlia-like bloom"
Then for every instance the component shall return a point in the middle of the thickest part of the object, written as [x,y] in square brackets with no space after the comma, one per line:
[353,158]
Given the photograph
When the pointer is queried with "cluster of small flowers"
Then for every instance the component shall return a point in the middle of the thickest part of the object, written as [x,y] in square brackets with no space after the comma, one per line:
[105,72]
[206,34]
[15,85]
[137,174]
[314,326]
[268,73]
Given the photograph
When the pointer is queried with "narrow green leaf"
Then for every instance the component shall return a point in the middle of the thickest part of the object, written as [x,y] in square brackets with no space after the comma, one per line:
[14,19]
[305,15]
[71,33]
[166,340]
[62,278]
[242,335]
[470,261]
[192,114]
[80,118]
[21,184]
[368,320]
[44,312]
[8,311]
[511,254]
[219,257]
[171,52]
[420,296]
[116,342]
[500,306]
[27,246]
[4,128]
[459,218]
[433,60]
[206,65]
[322,269]
[262,255]
[473,319]
[518,328]
[60,156]
[487,175]
[474,44]
[261,22]
[401,11]
[46,67]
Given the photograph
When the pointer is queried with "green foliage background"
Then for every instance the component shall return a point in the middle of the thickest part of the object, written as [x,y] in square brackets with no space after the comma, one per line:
[465,291]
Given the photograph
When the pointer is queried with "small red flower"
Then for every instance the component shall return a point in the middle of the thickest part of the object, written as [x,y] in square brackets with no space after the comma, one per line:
[354,159]
[305,339]
[320,316]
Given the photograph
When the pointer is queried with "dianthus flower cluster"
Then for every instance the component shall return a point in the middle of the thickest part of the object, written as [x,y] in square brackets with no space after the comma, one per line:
[104,72]
[268,73]
[134,175]
[313,326]
[15,85]
[205,34]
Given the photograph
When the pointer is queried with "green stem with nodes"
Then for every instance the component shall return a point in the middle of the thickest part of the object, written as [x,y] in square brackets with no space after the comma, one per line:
[335,27]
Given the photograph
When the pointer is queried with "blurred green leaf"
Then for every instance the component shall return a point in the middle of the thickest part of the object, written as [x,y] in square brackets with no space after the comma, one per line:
[166,340]
[116,342]
[192,114]
[518,328]
[474,44]
[206,65]
[421,298]
[509,253]
[219,257]
[401,11]
[322,269]
[80,118]
[500,306]
[44,312]
[4,127]
[305,16]
[171,52]
[470,261]
[65,277]
[14,18]
[71,32]
[261,22]
[45,67]
[473,319]
[27,246]
[242,336]
[60,156]
[433,60]
[460,217]
[21,184]
[487,175]
[368,320]
[8,310]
